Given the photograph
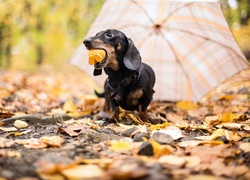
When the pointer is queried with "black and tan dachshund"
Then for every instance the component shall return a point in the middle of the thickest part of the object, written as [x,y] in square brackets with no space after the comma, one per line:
[130,82]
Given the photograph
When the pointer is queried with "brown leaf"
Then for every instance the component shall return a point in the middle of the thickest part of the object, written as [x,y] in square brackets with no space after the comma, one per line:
[177,120]
[72,130]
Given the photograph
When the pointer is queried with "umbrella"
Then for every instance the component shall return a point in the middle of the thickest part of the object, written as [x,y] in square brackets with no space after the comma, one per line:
[187,43]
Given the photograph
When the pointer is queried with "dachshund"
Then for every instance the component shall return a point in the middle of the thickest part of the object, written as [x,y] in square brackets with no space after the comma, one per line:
[130,82]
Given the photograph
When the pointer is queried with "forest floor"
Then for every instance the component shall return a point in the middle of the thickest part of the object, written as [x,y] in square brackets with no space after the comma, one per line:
[52,127]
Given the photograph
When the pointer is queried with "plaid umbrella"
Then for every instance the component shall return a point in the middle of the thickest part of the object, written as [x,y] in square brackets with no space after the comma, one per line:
[187,43]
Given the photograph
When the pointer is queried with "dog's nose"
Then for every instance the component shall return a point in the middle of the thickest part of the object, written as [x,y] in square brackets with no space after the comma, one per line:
[87,41]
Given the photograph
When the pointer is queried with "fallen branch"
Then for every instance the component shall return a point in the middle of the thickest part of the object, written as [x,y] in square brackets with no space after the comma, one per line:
[33,119]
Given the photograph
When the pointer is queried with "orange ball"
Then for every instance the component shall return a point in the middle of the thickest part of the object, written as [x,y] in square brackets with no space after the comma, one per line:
[96,55]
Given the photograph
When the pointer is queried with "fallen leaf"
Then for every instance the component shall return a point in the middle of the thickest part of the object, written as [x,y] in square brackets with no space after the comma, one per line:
[6,143]
[156,146]
[22,132]
[89,102]
[125,167]
[163,150]
[229,135]
[70,108]
[232,126]
[228,117]
[33,143]
[177,120]
[211,119]
[9,153]
[104,162]
[203,177]
[186,105]
[88,171]
[173,131]
[54,141]
[245,147]
[115,127]
[192,161]
[189,143]
[196,143]
[20,124]
[8,129]
[119,146]
[159,126]
[136,119]
[226,97]
[172,160]
[51,163]
[4,115]
[72,130]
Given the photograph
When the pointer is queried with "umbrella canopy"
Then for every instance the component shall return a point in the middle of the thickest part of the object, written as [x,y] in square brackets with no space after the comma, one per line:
[187,43]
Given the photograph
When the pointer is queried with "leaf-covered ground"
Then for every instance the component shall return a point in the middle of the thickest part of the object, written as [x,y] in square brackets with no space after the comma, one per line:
[51,127]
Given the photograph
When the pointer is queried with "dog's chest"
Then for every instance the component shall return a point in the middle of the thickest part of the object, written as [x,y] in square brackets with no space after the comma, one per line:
[129,99]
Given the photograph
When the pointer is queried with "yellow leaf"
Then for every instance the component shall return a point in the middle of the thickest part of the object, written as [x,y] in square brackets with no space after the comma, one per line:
[226,97]
[186,105]
[89,102]
[135,119]
[230,136]
[227,117]
[70,108]
[213,143]
[159,126]
[217,133]
[119,146]
[156,146]
[164,150]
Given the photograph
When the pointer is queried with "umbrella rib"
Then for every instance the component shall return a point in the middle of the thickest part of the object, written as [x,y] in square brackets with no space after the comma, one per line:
[175,11]
[143,11]
[208,39]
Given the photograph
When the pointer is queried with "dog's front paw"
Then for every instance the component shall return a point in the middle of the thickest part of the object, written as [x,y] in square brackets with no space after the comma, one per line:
[144,116]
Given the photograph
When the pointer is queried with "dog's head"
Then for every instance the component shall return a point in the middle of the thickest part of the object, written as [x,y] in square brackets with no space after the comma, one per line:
[120,50]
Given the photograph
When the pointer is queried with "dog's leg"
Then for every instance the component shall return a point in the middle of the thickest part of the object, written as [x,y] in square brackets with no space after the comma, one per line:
[115,109]
[106,107]
[143,109]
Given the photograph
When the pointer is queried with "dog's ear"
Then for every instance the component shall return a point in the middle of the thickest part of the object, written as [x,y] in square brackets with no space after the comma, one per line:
[132,58]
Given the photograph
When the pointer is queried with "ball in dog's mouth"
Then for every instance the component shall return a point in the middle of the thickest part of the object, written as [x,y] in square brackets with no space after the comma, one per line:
[96,56]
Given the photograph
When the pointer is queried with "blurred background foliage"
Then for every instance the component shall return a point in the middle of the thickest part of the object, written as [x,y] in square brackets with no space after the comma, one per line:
[45,33]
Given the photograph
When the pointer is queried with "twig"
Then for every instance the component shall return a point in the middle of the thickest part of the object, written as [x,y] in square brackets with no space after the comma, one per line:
[33,119]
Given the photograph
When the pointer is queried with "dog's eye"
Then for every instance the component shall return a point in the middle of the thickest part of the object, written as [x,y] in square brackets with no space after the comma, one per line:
[109,35]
